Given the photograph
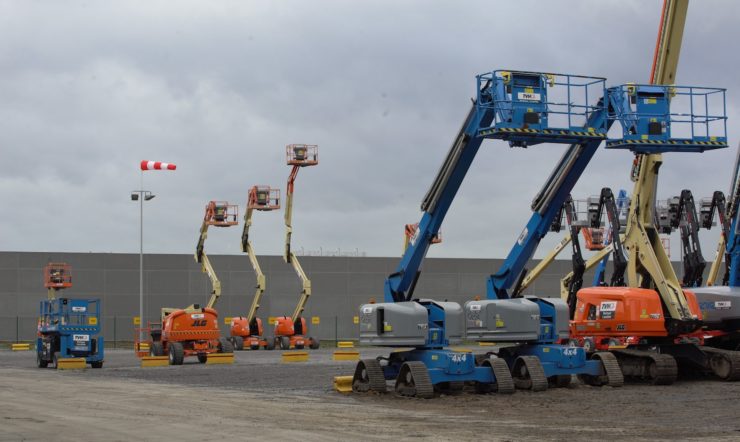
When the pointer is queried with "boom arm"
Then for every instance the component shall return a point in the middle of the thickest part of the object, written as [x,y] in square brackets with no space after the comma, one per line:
[546,207]
[399,286]
[288,255]
[247,248]
[205,265]
[648,264]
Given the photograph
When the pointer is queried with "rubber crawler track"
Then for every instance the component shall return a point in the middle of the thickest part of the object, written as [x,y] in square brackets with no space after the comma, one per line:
[666,369]
[730,357]
[376,379]
[537,378]
[504,381]
[614,376]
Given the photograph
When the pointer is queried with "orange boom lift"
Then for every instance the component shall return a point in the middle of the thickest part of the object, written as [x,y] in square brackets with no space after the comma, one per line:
[290,331]
[247,330]
[193,331]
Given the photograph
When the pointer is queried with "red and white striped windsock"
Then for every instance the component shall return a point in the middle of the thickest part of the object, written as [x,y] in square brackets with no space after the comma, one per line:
[157,165]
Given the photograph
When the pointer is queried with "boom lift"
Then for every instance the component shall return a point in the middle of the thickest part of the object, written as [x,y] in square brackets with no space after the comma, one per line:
[623,203]
[681,215]
[409,235]
[720,305]
[249,328]
[596,240]
[708,206]
[512,106]
[654,307]
[67,328]
[290,331]
[193,331]
[572,282]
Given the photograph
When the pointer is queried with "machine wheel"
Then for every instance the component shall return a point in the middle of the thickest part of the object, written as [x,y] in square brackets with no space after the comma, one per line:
[270,345]
[176,353]
[369,377]
[224,346]
[528,374]
[254,346]
[284,342]
[560,381]
[156,349]
[202,358]
[41,363]
[413,380]
[299,346]
[238,343]
[589,346]
[314,343]
[96,364]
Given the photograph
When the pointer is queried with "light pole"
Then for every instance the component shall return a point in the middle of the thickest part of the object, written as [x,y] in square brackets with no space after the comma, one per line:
[141,196]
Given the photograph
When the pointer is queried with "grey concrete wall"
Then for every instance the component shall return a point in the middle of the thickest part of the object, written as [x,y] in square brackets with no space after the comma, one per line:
[340,285]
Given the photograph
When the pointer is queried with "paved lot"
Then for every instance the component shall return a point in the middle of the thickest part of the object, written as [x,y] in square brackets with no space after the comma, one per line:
[260,398]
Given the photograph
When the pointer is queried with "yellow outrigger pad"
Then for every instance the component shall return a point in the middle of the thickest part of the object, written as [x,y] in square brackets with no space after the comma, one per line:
[20,347]
[346,355]
[155,361]
[220,358]
[71,363]
[486,344]
[295,356]
[346,344]
[343,384]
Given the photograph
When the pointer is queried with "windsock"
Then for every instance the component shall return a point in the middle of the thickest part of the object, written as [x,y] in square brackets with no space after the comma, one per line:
[157,165]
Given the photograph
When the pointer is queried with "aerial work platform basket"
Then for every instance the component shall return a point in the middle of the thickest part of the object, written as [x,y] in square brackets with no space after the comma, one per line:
[534,107]
[57,275]
[221,214]
[302,154]
[656,118]
[263,198]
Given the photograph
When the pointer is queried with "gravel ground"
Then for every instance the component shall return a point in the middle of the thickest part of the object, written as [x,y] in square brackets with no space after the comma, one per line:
[260,398]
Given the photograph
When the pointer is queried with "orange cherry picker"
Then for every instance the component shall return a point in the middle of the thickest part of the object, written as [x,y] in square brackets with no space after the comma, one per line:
[248,329]
[290,331]
[193,331]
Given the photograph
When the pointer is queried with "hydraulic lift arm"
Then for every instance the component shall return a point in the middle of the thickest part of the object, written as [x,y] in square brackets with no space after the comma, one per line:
[648,264]
[399,286]
[297,160]
[205,265]
[693,259]
[718,203]
[546,206]
[247,248]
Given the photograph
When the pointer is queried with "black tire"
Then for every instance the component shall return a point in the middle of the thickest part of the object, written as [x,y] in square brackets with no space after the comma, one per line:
[41,363]
[224,346]
[313,343]
[238,343]
[255,346]
[299,346]
[176,353]
[270,345]
[96,364]
[202,357]
[156,349]
[284,342]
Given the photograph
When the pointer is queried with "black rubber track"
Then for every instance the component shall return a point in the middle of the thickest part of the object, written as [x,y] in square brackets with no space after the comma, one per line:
[375,381]
[666,368]
[504,381]
[725,364]
[537,381]
[614,376]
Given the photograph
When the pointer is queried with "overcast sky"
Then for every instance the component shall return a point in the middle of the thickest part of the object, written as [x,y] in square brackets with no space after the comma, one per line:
[88,89]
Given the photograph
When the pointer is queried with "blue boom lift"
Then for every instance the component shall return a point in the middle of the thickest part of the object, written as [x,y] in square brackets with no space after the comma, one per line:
[511,106]
[68,328]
